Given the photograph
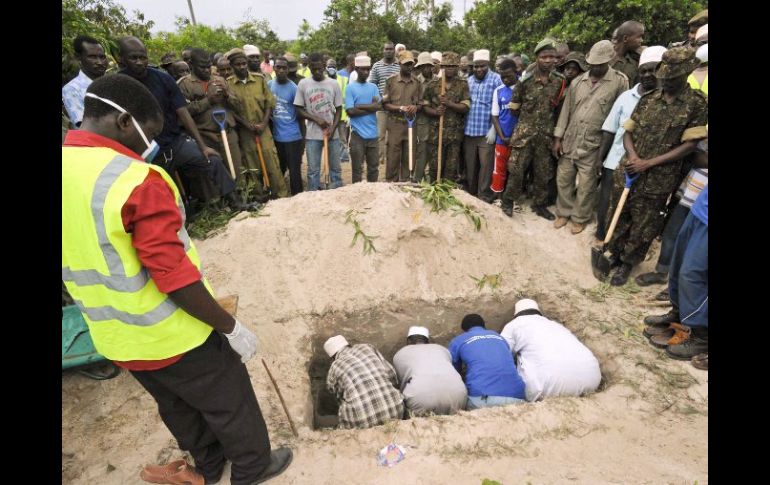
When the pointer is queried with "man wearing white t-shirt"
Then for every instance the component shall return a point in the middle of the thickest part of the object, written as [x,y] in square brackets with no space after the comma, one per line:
[551,360]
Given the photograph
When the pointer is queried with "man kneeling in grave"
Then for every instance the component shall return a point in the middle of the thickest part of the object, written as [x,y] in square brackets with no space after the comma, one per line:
[429,382]
[551,360]
[364,384]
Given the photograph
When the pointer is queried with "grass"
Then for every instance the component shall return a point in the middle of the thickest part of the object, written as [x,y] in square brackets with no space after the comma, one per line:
[439,196]
[491,280]
[601,292]
[212,220]
[350,218]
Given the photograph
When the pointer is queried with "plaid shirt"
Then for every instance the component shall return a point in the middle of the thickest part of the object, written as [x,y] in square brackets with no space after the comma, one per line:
[479,118]
[366,385]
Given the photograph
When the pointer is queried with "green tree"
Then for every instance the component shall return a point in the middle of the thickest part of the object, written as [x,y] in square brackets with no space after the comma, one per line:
[218,39]
[580,23]
[258,32]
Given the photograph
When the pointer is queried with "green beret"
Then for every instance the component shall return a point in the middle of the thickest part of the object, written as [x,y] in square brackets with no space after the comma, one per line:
[546,43]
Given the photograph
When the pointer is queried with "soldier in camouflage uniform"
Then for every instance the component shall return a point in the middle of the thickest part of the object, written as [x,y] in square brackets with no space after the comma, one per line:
[425,125]
[454,105]
[534,100]
[664,128]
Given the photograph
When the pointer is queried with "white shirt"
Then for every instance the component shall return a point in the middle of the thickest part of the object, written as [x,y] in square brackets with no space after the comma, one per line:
[619,113]
[551,360]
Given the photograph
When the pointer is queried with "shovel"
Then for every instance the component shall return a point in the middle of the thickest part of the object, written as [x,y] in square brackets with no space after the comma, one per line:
[325,163]
[600,262]
[410,123]
[221,122]
[265,178]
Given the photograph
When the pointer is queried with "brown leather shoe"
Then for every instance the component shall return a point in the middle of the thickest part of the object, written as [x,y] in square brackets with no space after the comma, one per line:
[701,361]
[560,222]
[175,473]
[577,228]
[677,334]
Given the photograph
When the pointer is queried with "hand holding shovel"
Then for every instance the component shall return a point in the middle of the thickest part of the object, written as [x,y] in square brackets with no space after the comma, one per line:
[220,116]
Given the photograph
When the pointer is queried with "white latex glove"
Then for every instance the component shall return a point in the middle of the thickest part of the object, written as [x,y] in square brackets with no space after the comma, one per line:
[243,341]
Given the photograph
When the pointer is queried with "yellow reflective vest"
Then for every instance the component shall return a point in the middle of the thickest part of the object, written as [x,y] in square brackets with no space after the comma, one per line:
[127,316]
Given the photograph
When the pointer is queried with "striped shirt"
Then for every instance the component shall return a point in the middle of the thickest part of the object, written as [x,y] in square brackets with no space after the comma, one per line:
[381,72]
[366,386]
[73,94]
[480,116]
[692,186]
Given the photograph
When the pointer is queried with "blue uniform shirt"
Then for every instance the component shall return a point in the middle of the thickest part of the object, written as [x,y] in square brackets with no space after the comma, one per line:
[490,367]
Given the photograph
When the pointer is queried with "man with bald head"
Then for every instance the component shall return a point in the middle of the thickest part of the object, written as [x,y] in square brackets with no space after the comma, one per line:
[629,38]
[186,152]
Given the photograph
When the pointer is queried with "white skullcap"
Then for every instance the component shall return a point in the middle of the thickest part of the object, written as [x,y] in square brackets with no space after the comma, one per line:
[652,54]
[436,56]
[525,304]
[703,30]
[363,61]
[481,55]
[250,50]
[419,331]
[400,47]
[703,53]
[334,345]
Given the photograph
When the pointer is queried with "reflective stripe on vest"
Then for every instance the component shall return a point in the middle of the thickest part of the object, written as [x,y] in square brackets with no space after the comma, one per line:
[129,317]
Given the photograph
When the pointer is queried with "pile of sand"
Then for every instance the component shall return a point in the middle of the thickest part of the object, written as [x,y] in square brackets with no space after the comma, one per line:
[299,280]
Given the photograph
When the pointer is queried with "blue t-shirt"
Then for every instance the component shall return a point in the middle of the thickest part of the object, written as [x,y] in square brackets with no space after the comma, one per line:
[362,93]
[170,98]
[506,118]
[700,208]
[285,126]
[490,367]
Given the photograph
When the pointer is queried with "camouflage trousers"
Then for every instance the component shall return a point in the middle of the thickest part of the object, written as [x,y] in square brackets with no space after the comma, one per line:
[450,160]
[537,153]
[641,221]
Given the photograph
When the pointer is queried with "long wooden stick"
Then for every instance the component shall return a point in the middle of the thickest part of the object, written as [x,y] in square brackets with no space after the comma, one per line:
[285,410]
[440,132]
[325,162]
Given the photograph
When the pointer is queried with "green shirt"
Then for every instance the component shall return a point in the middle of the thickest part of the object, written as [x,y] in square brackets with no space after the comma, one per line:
[253,96]
[457,92]
[536,101]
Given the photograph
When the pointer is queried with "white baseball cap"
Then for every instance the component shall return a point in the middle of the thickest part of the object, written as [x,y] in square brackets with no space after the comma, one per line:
[419,331]
[334,345]
[525,304]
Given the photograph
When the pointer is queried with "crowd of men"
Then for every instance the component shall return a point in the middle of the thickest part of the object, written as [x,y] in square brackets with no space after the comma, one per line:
[623,125]
[532,358]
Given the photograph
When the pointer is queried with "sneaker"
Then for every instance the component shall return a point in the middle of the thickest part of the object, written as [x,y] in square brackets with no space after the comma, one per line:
[697,343]
[577,227]
[621,275]
[701,361]
[652,278]
[543,212]
[671,317]
[279,462]
[560,222]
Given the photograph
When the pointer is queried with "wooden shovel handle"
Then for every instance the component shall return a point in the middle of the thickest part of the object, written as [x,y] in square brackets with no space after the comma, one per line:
[616,216]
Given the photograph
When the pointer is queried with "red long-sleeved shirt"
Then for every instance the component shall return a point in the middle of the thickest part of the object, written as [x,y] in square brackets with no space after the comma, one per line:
[152,217]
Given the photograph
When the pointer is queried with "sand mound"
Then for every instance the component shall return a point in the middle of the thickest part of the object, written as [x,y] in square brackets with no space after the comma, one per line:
[299,280]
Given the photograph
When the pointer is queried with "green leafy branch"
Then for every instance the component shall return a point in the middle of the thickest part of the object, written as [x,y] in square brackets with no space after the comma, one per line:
[350,218]
[439,196]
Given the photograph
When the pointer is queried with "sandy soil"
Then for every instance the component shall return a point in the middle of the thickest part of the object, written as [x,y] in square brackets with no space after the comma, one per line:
[300,280]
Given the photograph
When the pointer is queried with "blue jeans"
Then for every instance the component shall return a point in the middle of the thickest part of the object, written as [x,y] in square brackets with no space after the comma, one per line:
[478,402]
[314,150]
[688,277]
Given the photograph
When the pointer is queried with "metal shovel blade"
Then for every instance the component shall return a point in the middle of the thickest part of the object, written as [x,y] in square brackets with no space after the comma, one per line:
[600,264]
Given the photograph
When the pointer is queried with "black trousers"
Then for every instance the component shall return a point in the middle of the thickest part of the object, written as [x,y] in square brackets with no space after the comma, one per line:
[207,179]
[290,157]
[207,402]
[605,191]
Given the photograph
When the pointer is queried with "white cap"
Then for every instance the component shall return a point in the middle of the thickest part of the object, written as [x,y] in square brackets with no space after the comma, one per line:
[334,345]
[399,47]
[652,54]
[703,30]
[250,50]
[703,53]
[419,331]
[436,56]
[525,304]
[363,61]
[481,55]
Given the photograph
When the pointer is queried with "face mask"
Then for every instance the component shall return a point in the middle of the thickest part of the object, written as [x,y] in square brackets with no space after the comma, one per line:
[331,71]
[152,147]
